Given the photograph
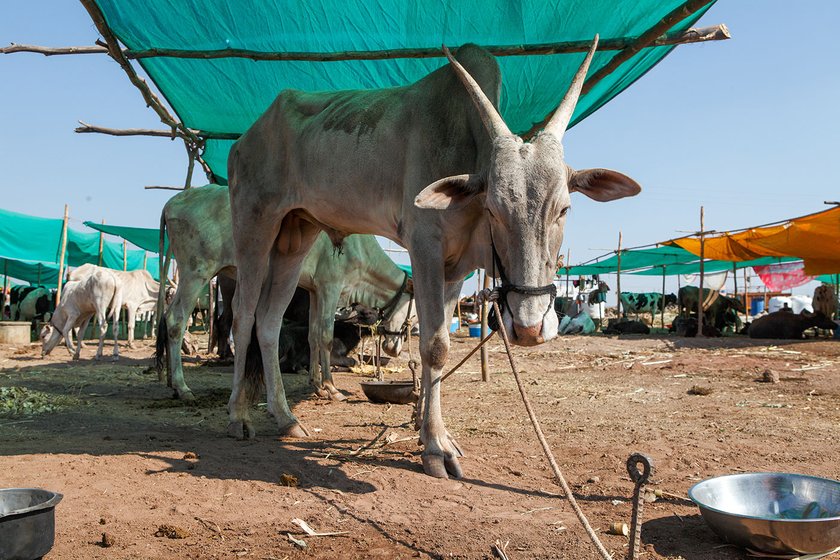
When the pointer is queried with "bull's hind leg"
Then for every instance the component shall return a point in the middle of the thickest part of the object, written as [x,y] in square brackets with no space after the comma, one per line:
[294,240]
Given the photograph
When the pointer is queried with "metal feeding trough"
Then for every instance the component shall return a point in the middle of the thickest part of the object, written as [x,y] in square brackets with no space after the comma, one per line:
[27,522]
[777,513]
[394,392]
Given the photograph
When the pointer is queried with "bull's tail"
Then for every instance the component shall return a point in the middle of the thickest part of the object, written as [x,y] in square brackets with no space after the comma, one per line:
[162,347]
[163,268]
[254,380]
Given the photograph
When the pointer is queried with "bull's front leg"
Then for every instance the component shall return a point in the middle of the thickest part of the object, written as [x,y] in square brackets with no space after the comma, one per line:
[322,304]
[82,330]
[129,324]
[441,453]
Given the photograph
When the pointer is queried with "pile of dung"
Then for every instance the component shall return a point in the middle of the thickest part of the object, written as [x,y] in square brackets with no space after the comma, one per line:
[20,401]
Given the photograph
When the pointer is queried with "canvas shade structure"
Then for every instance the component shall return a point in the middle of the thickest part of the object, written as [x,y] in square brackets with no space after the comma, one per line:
[815,239]
[710,266]
[32,239]
[632,259]
[225,95]
[36,273]
[145,238]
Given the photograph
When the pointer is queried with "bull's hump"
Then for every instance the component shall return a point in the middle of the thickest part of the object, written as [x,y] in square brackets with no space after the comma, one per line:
[352,112]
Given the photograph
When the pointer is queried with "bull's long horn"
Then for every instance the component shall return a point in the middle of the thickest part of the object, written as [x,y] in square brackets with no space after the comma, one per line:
[493,121]
[561,117]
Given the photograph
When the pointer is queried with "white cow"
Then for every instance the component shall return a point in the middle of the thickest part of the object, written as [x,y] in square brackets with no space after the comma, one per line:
[139,292]
[432,166]
[81,300]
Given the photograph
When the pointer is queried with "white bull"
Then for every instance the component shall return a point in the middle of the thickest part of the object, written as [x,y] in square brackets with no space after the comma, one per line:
[432,166]
[81,300]
[359,272]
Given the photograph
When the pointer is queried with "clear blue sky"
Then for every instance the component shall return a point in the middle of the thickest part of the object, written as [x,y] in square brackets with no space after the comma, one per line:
[748,127]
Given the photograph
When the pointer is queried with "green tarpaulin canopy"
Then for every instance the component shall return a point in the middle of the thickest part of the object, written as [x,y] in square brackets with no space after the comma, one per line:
[145,238]
[632,260]
[710,266]
[38,240]
[228,94]
[36,273]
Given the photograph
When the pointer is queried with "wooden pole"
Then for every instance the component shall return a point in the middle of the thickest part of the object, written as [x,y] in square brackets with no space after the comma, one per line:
[60,256]
[458,312]
[618,277]
[746,294]
[485,374]
[714,33]
[101,245]
[735,280]
[568,265]
[5,288]
[701,296]
[662,313]
[125,256]
[171,134]
[145,258]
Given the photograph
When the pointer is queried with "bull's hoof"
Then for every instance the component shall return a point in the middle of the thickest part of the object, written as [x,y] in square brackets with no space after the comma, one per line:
[294,431]
[441,467]
[338,396]
[115,358]
[75,357]
[241,430]
[186,396]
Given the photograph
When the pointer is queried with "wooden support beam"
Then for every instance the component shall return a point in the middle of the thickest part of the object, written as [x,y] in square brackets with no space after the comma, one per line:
[713,33]
[61,259]
[645,40]
[172,134]
[194,142]
[162,188]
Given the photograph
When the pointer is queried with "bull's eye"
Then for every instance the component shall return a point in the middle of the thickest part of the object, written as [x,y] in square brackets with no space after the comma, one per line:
[564,211]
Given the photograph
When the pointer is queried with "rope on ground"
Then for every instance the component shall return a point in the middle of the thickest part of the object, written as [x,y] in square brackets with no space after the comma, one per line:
[556,469]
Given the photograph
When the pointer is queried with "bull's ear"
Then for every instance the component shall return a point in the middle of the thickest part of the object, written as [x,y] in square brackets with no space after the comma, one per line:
[602,185]
[450,193]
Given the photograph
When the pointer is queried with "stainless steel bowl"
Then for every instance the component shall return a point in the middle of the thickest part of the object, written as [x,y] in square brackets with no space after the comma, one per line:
[772,512]
[27,522]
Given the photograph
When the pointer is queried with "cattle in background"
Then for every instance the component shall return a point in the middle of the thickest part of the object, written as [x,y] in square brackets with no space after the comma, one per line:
[138,289]
[31,303]
[721,312]
[825,300]
[645,302]
[784,325]
[200,232]
[92,296]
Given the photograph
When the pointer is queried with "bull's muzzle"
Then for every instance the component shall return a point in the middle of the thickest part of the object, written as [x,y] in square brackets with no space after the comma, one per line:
[529,336]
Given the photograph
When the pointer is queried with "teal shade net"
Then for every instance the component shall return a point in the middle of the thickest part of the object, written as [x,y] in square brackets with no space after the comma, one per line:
[828,278]
[712,266]
[632,260]
[31,239]
[36,273]
[145,238]
[227,95]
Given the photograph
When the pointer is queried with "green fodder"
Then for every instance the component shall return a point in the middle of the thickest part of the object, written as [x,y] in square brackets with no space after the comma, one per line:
[20,401]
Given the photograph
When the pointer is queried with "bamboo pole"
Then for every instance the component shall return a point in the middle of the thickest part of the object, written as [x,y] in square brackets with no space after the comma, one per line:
[568,264]
[714,33]
[700,296]
[211,311]
[114,50]
[60,256]
[458,312]
[5,289]
[735,280]
[618,277]
[101,245]
[86,128]
[163,188]
[646,39]
[485,374]
[662,311]
[125,256]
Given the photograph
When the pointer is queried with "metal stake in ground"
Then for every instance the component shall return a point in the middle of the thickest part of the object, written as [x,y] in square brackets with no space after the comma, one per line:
[640,478]
[551,461]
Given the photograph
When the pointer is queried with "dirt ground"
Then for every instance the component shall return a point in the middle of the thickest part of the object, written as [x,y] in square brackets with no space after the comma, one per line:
[129,459]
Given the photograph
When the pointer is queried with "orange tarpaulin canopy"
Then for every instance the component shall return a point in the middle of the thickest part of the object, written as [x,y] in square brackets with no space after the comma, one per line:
[814,238]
